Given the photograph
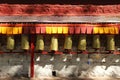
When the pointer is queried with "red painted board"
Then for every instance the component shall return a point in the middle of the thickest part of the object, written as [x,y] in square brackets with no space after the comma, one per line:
[37,26]
[26,30]
[77,29]
[32,30]
[43,29]
[83,29]
[37,30]
[71,29]
[89,29]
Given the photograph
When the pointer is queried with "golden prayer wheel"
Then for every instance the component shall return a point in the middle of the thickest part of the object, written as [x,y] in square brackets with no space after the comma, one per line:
[10,42]
[68,42]
[54,43]
[82,42]
[96,41]
[25,42]
[40,43]
[110,42]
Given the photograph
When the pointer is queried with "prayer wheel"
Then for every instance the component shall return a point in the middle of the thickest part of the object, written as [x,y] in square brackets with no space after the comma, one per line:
[65,32]
[82,42]
[96,41]
[25,42]
[68,42]
[110,42]
[10,42]
[39,42]
[54,43]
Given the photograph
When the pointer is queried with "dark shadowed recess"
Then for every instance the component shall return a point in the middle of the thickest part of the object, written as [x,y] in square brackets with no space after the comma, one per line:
[73,2]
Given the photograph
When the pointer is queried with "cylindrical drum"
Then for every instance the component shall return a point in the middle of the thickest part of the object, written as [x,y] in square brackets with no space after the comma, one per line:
[110,42]
[54,43]
[82,42]
[10,42]
[39,42]
[96,41]
[25,42]
[68,42]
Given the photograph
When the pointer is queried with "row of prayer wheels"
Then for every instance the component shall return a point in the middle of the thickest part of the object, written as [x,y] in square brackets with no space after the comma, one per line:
[68,42]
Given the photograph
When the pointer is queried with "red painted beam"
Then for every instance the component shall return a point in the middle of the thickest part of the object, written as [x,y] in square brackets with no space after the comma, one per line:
[58,10]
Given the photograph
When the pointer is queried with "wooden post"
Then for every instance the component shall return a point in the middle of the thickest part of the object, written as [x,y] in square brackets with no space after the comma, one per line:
[32,47]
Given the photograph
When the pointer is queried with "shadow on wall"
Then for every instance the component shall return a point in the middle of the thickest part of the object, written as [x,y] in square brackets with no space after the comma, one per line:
[16,65]
[66,65]
[80,66]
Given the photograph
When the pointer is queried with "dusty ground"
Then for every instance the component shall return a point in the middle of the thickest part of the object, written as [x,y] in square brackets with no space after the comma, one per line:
[15,78]
[56,78]
[74,79]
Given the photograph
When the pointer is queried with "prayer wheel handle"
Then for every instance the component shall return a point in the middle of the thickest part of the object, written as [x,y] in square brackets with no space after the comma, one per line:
[52,53]
[67,51]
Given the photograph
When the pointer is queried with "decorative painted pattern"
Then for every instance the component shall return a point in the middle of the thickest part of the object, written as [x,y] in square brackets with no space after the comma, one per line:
[30,28]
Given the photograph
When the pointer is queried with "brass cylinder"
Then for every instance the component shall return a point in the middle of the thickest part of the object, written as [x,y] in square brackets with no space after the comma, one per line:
[110,42]
[54,43]
[25,42]
[40,43]
[96,41]
[68,42]
[82,42]
[10,42]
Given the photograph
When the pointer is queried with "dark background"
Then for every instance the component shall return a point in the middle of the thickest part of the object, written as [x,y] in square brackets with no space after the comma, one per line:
[81,2]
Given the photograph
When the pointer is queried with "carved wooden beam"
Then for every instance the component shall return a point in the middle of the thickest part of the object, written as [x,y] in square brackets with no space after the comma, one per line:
[58,10]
